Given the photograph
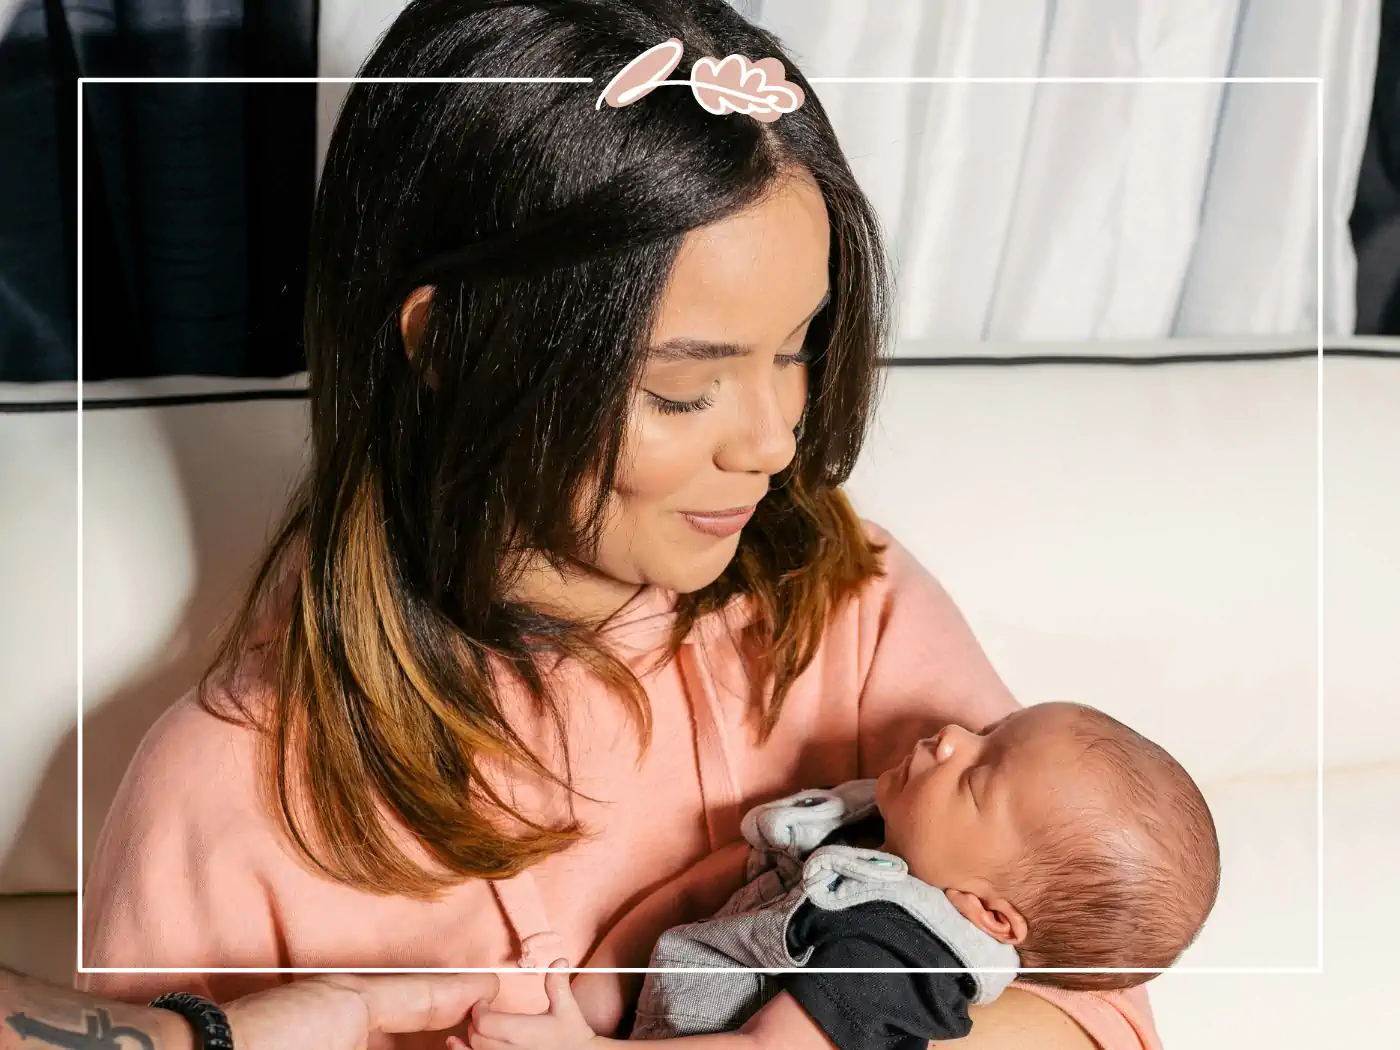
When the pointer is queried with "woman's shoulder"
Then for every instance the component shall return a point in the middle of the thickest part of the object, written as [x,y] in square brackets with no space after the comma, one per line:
[899,568]
[904,602]
[192,767]
[876,533]
[189,730]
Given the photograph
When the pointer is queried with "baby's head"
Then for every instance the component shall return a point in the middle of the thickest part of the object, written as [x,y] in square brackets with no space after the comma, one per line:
[1062,831]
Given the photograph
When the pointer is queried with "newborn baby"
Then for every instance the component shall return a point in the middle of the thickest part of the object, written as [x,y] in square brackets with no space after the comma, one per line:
[1055,838]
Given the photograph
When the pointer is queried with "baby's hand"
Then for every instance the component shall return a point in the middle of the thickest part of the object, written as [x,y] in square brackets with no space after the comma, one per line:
[562,1028]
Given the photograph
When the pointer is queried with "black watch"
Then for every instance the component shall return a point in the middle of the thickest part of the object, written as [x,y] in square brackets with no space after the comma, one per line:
[211,1030]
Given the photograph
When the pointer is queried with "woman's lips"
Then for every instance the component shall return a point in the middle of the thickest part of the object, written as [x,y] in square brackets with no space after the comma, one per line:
[719,522]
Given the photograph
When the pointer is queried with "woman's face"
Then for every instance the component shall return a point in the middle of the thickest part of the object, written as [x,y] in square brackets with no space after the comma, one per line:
[721,392]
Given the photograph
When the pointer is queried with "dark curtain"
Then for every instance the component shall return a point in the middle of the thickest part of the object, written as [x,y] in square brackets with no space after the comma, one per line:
[196,198]
[1375,221]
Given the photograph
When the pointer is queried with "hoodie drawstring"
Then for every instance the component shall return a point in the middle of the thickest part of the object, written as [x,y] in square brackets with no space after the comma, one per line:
[524,910]
[519,897]
[719,787]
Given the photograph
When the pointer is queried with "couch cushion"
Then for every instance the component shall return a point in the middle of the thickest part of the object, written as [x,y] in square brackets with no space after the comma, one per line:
[39,936]
[1346,1005]
[1145,539]
[178,501]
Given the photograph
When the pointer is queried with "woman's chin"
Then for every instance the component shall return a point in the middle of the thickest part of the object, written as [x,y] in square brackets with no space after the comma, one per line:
[690,583]
[696,572]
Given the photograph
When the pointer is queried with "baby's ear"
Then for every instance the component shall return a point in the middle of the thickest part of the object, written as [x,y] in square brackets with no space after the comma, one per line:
[994,916]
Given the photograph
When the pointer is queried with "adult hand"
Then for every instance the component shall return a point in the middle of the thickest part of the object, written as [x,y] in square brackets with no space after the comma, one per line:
[347,1012]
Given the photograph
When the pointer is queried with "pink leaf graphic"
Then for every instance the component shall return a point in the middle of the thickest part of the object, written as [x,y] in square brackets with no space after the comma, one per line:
[734,85]
[642,75]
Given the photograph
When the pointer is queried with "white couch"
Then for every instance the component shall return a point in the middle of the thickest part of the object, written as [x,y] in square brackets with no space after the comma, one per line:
[1144,538]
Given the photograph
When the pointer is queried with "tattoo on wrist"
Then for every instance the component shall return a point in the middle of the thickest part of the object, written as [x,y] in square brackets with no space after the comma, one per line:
[35,1016]
[99,1034]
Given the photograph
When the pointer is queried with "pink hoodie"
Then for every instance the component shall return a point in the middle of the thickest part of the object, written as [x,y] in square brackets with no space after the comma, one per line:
[192,872]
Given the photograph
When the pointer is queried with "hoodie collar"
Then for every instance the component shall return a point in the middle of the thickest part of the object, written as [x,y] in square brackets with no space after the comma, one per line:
[645,623]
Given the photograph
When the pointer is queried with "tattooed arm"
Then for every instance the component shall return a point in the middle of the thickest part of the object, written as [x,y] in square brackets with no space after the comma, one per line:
[337,1012]
[35,1016]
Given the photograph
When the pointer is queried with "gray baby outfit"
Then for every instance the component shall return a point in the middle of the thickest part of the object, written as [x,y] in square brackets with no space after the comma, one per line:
[788,867]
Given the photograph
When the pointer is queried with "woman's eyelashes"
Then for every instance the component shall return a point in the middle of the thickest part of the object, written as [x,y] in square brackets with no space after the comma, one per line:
[801,357]
[672,406]
[667,407]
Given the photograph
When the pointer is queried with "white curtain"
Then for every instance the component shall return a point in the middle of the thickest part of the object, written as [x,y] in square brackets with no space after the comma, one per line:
[8,10]
[346,35]
[1046,212]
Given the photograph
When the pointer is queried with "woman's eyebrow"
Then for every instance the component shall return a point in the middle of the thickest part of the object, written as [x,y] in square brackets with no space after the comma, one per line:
[685,349]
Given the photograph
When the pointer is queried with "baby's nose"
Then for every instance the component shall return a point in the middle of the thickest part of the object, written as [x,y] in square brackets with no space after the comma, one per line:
[949,739]
[942,744]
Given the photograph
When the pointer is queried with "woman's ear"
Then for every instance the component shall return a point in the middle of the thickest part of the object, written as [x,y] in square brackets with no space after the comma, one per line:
[994,916]
[413,318]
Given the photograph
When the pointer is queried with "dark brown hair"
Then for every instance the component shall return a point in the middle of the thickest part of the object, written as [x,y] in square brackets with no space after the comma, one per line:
[547,229]
[1092,899]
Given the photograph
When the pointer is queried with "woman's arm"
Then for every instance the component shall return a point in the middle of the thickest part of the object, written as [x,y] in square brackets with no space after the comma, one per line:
[1016,1021]
[1111,1020]
[782,1024]
[193,873]
[1021,1021]
[607,998]
[175,879]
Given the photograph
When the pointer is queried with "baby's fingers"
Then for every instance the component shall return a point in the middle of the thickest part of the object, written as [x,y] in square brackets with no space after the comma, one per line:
[525,1030]
[479,1040]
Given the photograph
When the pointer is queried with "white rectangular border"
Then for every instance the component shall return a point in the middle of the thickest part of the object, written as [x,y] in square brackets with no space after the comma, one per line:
[1317,82]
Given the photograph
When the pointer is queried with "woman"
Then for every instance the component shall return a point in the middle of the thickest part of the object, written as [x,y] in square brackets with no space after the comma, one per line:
[572,582]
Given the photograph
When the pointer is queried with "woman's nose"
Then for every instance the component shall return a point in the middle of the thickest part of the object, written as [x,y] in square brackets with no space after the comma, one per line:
[763,441]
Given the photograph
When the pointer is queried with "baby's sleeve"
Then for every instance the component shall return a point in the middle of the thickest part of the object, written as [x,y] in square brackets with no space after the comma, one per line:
[900,1009]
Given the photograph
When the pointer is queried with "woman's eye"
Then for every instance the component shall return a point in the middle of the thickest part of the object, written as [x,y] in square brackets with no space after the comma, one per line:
[802,357]
[667,407]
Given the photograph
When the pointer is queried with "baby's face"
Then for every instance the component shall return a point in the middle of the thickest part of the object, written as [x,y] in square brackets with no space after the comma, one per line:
[960,807]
